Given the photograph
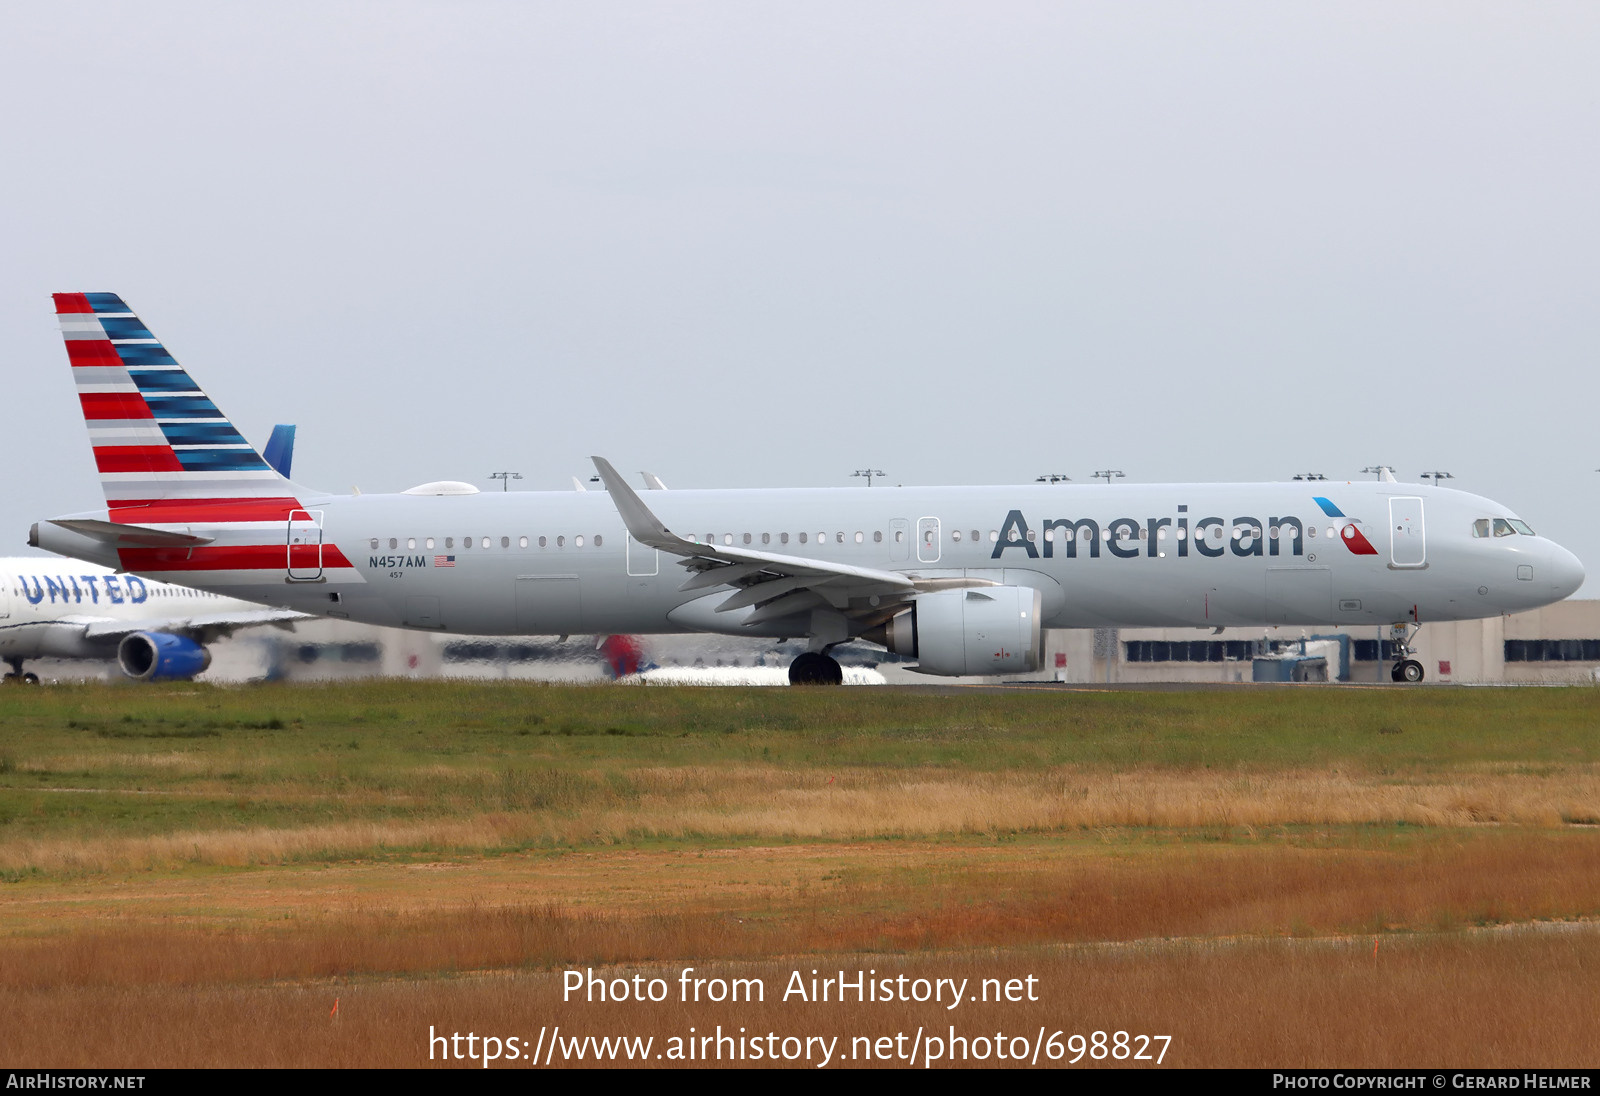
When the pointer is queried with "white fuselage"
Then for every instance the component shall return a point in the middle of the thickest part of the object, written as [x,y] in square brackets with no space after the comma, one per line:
[1167,555]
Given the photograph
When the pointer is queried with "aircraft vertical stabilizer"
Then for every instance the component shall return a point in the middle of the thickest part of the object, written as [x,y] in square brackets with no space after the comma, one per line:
[185,493]
[157,437]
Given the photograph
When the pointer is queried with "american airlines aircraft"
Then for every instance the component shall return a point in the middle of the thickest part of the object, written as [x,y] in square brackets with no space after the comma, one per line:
[961,578]
[155,631]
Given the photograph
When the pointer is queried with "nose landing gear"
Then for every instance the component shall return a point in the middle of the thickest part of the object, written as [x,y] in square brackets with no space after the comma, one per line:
[1406,669]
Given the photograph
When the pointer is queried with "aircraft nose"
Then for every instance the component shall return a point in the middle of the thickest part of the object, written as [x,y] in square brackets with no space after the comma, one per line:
[1566,573]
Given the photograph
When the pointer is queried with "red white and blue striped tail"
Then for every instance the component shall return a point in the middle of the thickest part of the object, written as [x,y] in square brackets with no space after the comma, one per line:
[185,493]
[157,437]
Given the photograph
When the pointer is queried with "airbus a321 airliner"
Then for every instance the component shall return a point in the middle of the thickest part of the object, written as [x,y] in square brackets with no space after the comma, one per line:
[961,578]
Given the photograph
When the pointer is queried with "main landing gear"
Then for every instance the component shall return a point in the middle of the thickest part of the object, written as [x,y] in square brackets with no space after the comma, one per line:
[1406,670]
[815,668]
[17,677]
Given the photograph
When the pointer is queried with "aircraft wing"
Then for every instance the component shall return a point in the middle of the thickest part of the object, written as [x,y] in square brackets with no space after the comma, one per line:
[776,585]
[202,627]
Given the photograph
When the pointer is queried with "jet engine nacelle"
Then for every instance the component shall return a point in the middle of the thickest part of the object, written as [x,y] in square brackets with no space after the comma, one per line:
[985,630]
[161,656]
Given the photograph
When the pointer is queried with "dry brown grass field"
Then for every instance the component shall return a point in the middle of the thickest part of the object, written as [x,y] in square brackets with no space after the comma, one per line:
[1279,877]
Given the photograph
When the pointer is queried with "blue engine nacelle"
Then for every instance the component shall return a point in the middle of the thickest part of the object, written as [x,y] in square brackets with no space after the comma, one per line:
[161,656]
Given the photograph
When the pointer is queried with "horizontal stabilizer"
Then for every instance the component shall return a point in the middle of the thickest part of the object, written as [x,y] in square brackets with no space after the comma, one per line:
[117,535]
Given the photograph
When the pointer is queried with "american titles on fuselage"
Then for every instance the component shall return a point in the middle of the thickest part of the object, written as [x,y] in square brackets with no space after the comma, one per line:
[1211,535]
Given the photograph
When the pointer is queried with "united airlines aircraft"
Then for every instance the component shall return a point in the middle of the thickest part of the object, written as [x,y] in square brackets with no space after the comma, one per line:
[153,630]
[961,578]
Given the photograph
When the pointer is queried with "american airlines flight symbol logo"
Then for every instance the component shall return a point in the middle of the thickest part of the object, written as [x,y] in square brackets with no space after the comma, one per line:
[1350,532]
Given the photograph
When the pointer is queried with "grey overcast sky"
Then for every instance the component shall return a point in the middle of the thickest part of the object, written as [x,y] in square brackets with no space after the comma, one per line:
[748,244]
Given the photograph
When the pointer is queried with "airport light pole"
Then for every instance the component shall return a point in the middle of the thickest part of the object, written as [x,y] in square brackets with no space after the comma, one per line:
[1437,476]
[505,478]
[869,473]
[1379,469]
[1108,474]
[1053,477]
[1309,476]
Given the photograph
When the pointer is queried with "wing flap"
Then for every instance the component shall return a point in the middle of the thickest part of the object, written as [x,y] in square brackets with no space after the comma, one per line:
[765,591]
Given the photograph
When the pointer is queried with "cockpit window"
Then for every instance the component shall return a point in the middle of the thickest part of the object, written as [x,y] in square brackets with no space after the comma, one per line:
[1503,527]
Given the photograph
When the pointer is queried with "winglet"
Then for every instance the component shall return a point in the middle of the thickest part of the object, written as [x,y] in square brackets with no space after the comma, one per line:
[642,525]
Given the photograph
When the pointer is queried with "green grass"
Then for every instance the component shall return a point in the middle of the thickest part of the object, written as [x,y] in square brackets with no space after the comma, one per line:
[194,757]
[1233,727]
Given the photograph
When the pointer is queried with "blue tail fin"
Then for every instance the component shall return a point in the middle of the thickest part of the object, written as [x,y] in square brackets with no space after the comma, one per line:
[279,452]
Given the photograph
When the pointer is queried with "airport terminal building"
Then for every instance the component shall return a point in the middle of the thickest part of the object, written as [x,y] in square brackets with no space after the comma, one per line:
[1558,644]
